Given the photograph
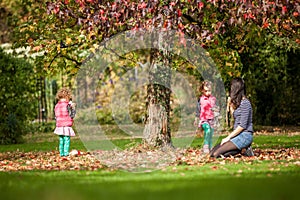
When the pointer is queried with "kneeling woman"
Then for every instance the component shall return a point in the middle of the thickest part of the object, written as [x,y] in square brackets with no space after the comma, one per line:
[242,135]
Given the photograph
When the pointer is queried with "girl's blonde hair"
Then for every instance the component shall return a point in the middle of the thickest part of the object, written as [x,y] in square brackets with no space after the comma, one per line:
[64,93]
[205,84]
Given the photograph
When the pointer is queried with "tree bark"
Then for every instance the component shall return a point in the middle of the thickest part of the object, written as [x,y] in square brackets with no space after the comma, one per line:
[157,131]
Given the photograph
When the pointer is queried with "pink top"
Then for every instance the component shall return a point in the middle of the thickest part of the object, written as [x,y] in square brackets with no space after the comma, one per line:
[206,104]
[62,115]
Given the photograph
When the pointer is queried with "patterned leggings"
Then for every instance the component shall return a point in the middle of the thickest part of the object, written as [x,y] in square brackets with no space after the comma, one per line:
[208,134]
[64,145]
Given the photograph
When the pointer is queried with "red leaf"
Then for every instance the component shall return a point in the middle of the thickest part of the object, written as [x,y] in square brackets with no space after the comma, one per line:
[284,10]
[200,5]
[179,13]
[172,4]
[265,25]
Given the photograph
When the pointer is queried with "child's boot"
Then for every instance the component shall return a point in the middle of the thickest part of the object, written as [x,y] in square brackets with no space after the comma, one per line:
[205,149]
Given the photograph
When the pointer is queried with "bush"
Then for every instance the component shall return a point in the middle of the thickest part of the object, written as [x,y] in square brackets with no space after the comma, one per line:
[44,127]
[17,98]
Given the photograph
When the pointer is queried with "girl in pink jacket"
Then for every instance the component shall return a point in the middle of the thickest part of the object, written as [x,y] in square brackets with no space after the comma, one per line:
[205,113]
[64,114]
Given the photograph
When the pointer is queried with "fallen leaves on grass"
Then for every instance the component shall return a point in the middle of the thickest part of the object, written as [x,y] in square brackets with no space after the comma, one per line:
[137,161]
[288,154]
[133,159]
[274,131]
[16,161]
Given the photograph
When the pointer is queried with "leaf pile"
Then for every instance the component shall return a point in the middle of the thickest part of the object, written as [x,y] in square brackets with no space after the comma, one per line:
[139,159]
[133,159]
[15,161]
[194,157]
[274,131]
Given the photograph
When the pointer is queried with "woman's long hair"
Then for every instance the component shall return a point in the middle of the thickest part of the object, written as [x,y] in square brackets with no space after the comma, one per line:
[237,91]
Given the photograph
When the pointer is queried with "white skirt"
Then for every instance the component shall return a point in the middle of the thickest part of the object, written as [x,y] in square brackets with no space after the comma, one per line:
[68,131]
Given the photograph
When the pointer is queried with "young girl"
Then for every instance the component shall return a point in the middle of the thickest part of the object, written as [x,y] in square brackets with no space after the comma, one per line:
[205,113]
[64,114]
[242,135]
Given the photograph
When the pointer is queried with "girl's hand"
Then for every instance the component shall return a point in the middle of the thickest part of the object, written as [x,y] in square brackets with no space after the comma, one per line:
[196,122]
[73,105]
[225,140]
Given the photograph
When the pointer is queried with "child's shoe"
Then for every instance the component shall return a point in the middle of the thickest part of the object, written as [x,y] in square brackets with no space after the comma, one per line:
[205,149]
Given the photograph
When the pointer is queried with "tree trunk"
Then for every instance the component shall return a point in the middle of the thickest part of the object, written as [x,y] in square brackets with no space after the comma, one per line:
[157,131]
[42,100]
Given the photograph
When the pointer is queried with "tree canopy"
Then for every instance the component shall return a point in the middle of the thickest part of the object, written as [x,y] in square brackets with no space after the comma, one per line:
[69,30]
[253,39]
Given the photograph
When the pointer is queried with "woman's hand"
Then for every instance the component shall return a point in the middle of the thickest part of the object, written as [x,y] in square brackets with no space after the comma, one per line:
[234,133]
[225,140]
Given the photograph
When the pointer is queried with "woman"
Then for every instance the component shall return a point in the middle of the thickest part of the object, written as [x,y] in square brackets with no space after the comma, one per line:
[242,135]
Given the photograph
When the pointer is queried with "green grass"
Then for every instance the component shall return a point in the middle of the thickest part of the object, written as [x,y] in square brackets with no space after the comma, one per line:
[265,141]
[279,141]
[41,146]
[180,183]
[49,142]
[259,179]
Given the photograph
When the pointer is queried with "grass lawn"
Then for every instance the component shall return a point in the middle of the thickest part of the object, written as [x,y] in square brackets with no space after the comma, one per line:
[181,183]
[258,179]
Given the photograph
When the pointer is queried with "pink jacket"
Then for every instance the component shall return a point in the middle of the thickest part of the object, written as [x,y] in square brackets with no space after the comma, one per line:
[62,115]
[206,105]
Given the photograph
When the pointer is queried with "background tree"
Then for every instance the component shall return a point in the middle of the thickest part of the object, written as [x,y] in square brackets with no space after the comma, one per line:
[17,98]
